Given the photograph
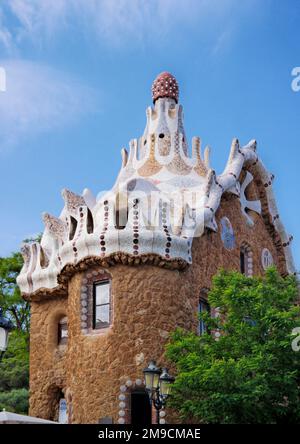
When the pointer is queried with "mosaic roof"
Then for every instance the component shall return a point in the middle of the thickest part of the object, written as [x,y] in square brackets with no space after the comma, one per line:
[162,199]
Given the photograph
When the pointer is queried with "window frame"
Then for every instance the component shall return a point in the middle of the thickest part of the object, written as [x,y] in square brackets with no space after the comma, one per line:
[246,260]
[202,328]
[95,305]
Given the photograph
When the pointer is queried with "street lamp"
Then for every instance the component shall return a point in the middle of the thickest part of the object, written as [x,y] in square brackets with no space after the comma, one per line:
[158,385]
[5,326]
[166,382]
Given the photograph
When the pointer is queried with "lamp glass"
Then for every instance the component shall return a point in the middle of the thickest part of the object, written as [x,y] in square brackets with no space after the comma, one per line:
[155,380]
[166,381]
[152,373]
[149,380]
[165,388]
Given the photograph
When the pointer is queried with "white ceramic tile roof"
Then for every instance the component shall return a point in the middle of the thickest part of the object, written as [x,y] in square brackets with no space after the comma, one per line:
[161,200]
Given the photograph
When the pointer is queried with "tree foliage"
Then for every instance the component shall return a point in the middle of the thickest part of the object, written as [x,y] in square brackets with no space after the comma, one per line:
[250,374]
[15,401]
[14,367]
[14,307]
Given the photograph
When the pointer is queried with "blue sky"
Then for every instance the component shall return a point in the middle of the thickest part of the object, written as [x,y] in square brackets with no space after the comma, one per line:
[79,74]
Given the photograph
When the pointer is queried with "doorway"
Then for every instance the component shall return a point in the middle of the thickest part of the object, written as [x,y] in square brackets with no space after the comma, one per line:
[140,408]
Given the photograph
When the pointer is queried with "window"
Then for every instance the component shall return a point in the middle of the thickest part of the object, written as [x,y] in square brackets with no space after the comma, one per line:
[96,301]
[102,305]
[63,331]
[243,258]
[246,260]
[202,308]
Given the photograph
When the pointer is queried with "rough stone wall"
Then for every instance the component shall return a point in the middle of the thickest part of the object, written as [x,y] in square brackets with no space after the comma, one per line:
[148,303]
[47,361]
[209,253]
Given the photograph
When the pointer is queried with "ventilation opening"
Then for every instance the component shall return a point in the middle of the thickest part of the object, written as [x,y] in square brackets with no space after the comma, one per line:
[62,331]
[161,136]
[73,227]
[140,408]
[121,211]
[44,261]
[121,218]
[89,222]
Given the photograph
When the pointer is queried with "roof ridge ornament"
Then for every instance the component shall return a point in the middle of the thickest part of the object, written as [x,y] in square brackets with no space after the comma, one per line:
[56,227]
[165,86]
[73,201]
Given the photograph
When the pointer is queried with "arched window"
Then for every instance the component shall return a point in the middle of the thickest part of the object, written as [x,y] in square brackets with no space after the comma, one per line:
[246,260]
[62,334]
[203,307]
[89,222]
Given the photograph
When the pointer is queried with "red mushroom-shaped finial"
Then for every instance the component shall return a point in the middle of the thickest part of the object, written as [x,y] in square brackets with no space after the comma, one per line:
[165,85]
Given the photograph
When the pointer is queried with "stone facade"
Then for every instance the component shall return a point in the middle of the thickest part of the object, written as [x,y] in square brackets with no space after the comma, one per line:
[148,303]
[156,264]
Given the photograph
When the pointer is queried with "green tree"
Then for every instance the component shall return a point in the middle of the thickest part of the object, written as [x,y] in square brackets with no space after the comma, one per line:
[250,374]
[14,306]
[14,374]
[14,367]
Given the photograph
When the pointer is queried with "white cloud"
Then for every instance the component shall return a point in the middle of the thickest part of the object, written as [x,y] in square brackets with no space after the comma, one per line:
[222,41]
[38,99]
[5,35]
[116,21]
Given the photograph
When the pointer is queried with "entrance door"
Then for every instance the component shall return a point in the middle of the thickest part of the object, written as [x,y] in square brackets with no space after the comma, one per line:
[140,408]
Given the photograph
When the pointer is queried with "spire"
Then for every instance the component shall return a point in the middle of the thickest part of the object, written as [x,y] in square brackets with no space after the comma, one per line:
[165,86]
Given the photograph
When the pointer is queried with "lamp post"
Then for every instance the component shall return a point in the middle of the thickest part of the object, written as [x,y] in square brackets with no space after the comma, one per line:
[5,326]
[158,385]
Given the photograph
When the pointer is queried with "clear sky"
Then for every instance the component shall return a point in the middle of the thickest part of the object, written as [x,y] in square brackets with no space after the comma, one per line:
[79,75]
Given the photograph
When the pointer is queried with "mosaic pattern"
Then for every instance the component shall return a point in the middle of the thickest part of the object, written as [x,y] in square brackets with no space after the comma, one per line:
[104,229]
[72,200]
[165,85]
[135,235]
[157,166]
[266,259]
[227,234]
[254,205]
[166,225]
[56,227]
